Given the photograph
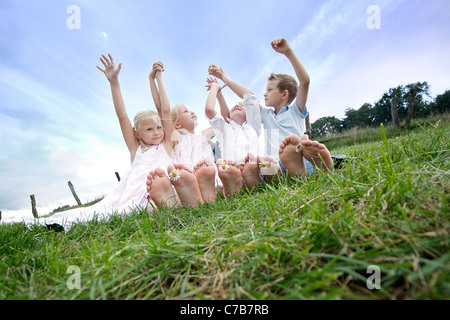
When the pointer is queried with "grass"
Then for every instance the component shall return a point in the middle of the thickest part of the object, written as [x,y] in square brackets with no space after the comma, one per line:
[294,239]
[356,135]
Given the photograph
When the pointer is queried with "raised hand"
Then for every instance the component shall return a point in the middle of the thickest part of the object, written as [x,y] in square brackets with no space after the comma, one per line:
[213,82]
[281,45]
[157,67]
[216,71]
[110,71]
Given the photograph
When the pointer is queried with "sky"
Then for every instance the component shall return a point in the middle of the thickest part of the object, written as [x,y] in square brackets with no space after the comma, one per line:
[57,121]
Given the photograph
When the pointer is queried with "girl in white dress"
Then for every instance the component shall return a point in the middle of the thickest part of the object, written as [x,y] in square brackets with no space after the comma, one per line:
[194,171]
[150,145]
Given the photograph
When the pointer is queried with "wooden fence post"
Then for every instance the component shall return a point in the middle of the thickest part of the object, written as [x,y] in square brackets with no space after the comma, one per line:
[73,192]
[33,206]
[308,126]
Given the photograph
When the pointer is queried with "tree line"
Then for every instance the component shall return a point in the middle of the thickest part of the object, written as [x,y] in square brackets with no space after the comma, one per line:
[399,105]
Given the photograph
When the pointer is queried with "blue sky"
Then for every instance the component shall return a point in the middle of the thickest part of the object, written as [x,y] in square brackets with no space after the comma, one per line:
[56,113]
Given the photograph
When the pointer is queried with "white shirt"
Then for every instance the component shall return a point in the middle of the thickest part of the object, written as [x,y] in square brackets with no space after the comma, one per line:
[236,141]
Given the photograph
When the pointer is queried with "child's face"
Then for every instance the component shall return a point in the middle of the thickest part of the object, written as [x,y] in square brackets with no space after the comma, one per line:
[273,96]
[150,132]
[238,113]
[186,119]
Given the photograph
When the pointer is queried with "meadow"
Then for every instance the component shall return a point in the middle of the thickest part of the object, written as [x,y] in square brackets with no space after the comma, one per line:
[376,228]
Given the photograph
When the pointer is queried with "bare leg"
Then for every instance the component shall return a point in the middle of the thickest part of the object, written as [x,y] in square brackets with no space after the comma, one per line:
[186,185]
[268,167]
[250,171]
[206,173]
[160,189]
[291,156]
[316,153]
[230,175]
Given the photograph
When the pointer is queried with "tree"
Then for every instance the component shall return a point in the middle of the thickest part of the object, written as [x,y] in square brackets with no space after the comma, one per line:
[365,115]
[395,96]
[362,117]
[326,126]
[401,102]
[442,102]
[351,119]
[381,111]
[415,91]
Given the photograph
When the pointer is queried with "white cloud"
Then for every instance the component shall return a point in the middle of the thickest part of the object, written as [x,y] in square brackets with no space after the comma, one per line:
[102,36]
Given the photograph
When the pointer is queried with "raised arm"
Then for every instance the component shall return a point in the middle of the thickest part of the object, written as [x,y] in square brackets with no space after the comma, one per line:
[282,46]
[157,66]
[169,140]
[112,74]
[236,87]
[224,111]
[213,88]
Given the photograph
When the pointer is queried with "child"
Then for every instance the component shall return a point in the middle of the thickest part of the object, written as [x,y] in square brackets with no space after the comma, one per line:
[149,145]
[238,133]
[285,124]
[193,173]
[284,119]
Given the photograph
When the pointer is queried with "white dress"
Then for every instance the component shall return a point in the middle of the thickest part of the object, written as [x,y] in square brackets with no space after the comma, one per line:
[130,193]
[193,147]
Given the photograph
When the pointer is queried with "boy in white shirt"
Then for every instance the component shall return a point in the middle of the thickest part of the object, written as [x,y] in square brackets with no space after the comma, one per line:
[238,133]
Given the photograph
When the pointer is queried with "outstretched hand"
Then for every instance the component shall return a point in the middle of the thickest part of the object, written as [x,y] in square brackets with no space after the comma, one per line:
[216,71]
[281,45]
[157,67]
[213,82]
[110,71]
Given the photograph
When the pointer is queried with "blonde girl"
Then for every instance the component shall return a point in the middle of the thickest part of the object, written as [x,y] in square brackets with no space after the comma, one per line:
[149,142]
[192,151]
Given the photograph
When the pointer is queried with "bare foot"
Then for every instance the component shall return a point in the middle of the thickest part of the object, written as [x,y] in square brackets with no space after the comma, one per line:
[160,189]
[316,153]
[291,156]
[230,175]
[250,171]
[186,185]
[206,174]
[268,167]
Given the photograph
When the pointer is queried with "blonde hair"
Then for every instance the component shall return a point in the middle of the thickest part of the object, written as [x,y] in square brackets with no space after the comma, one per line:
[148,114]
[174,114]
[144,115]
